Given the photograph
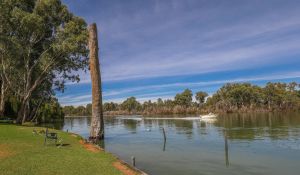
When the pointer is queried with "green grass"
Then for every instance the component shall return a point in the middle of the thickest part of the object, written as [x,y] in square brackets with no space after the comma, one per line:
[24,153]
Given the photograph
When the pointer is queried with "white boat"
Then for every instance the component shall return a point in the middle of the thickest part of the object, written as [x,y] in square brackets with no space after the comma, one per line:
[208,116]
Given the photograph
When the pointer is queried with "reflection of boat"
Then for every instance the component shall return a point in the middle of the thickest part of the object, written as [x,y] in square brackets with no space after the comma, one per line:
[208,116]
[172,118]
[131,118]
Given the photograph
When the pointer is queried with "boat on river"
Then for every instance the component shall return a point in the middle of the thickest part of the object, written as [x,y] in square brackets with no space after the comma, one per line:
[208,116]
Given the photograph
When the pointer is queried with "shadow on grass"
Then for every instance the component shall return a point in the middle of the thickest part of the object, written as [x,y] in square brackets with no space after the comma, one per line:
[63,145]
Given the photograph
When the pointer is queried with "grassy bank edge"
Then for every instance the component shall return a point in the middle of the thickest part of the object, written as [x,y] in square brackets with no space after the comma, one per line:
[135,169]
[128,168]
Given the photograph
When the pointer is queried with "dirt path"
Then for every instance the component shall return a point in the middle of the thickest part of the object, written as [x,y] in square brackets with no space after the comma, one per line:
[124,169]
[90,147]
[118,165]
[5,151]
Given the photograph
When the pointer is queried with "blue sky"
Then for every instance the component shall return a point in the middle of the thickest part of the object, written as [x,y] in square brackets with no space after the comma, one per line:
[157,48]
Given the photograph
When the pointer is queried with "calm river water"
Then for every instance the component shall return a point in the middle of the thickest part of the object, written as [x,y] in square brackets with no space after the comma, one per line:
[231,144]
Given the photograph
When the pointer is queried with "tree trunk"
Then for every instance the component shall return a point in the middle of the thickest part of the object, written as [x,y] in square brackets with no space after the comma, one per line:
[33,114]
[2,102]
[26,112]
[97,125]
[29,88]
[21,112]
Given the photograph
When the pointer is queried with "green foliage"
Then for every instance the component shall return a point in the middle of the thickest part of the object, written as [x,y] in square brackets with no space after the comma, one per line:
[200,96]
[184,99]
[47,111]
[50,111]
[237,96]
[78,111]
[131,104]
[231,97]
[110,106]
[88,109]
[160,102]
[12,105]
[42,45]
[68,110]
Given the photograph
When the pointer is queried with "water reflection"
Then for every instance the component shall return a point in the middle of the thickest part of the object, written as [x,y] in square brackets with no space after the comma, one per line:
[184,127]
[131,125]
[101,143]
[233,144]
[164,147]
[251,127]
[226,149]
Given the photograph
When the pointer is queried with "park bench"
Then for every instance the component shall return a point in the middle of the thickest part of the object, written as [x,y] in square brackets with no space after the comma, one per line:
[51,136]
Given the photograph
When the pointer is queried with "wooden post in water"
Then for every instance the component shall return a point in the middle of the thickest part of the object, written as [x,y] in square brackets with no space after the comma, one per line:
[97,125]
[226,150]
[164,148]
[133,161]
[165,138]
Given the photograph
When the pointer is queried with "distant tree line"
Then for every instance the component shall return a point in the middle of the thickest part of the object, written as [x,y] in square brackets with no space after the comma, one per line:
[232,97]
[243,97]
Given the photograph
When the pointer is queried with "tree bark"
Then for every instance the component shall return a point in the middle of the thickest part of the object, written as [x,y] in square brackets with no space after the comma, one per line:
[97,124]
[3,89]
[33,113]
[29,88]
[21,113]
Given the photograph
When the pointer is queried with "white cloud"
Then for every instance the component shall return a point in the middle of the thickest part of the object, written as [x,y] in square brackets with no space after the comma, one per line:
[262,41]
[170,38]
[113,95]
[277,76]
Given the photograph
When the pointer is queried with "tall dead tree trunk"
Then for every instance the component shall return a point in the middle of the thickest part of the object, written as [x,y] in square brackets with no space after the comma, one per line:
[97,125]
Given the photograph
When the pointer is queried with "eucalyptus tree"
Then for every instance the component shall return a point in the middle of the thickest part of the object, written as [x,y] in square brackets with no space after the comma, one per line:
[131,104]
[184,99]
[274,94]
[200,96]
[160,102]
[111,106]
[50,42]
[9,50]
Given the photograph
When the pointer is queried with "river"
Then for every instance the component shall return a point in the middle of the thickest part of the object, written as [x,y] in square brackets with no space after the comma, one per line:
[231,144]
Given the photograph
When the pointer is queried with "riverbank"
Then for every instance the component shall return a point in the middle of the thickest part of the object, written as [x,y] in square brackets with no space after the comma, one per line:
[193,112]
[22,151]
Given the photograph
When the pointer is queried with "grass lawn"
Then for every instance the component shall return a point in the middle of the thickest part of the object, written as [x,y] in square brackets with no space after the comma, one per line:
[22,153]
